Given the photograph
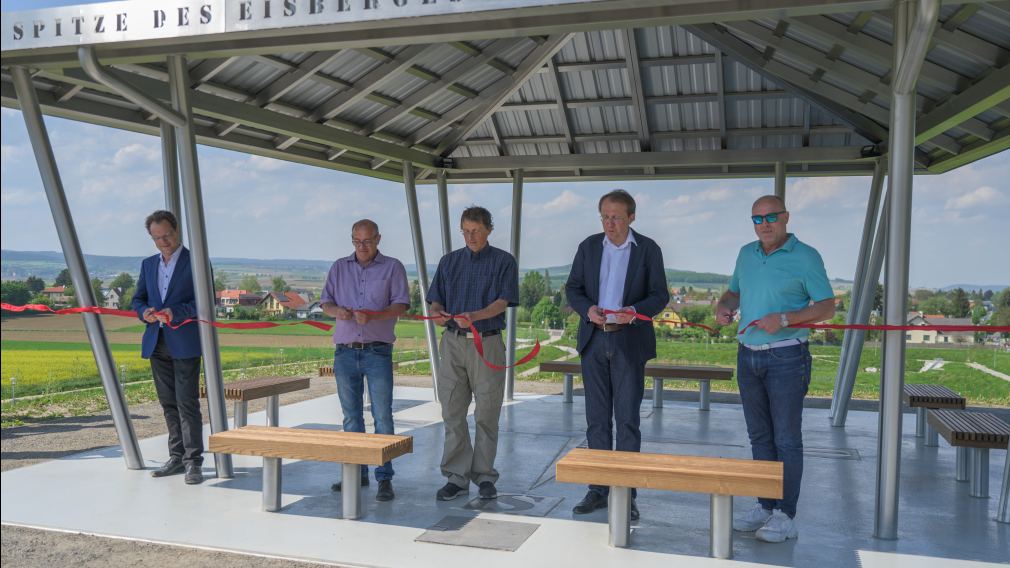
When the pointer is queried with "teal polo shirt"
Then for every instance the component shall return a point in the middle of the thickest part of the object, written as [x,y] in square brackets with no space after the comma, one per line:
[786,280]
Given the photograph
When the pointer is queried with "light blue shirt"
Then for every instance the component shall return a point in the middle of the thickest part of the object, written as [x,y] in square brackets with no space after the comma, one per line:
[787,280]
[165,271]
[613,271]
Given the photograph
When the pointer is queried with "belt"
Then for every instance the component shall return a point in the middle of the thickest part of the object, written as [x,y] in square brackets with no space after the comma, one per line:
[360,345]
[467,333]
[608,327]
[774,344]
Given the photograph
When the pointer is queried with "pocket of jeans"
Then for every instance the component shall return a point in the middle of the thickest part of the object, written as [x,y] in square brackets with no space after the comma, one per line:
[790,353]
[385,349]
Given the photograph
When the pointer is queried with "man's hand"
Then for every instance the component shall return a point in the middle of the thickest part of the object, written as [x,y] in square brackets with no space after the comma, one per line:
[362,318]
[343,313]
[770,323]
[164,316]
[724,315]
[596,315]
[624,315]
[464,320]
[442,317]
[148,315]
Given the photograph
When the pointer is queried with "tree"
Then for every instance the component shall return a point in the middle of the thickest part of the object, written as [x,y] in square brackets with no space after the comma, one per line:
[937,304]
[35,284]
[1002,314]
[71,295]
[546,313]
[126,299]
[63,278]
[547,283]
[249,283]
[415,299]
[42,299]
[960,306]
[279,285]
[696,313]
[221,281]
[15,292]
[531,289]
[96,289]
[878,298]
[123,281]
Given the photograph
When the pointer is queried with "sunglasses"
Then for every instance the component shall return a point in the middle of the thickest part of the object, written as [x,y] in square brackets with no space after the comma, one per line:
[770,218]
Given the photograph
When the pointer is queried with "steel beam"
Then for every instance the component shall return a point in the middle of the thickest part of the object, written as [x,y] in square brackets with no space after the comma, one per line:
[780,181]
[170,169]
[67,233]
[422,270]
[203,277]
[89,62]
[511,313]
[443,212]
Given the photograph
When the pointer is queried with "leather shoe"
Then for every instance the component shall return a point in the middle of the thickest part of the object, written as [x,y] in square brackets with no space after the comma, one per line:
[487,490]
[591,502]
[633,513]
[450,491]
[336,486]
[173,466]
[385,492]
[194,474]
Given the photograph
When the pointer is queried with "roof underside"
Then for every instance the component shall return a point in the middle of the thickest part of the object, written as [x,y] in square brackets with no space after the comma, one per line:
[669,97]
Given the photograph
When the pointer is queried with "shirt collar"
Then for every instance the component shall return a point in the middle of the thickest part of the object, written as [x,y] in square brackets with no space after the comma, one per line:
[627,242]
[379,258]
[479,254]
[788,246]
[173,258]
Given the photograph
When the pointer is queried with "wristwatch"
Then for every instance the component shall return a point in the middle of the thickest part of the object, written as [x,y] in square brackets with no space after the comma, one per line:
[783,320]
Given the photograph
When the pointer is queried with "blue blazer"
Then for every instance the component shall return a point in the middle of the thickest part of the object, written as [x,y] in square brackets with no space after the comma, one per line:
[184,343]
[644,288]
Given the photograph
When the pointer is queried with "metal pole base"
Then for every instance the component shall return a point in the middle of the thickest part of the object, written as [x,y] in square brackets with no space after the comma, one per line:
[350,490]
[932,437]
[1002,513]
[271,484]
[222,466]
[273,410]
[619,513]
[920,422]
[704,394]
[566,394]
[979,458]
[241,413]
[657,393]
[963,465]
[721,526]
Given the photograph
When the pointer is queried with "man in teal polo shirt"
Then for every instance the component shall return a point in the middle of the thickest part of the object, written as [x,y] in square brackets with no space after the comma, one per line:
[778,282]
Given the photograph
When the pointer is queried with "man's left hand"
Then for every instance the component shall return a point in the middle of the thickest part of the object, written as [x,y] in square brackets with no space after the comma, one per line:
[624,315]
[770,323]
[362,318]
[164,316]
[464,320]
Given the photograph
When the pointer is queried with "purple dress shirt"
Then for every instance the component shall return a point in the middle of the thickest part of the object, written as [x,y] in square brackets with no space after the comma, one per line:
[374,287]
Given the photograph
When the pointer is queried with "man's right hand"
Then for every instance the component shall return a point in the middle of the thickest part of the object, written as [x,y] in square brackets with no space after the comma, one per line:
[343,313]
[596,315]
[723,316]
[442,317]
[149,315]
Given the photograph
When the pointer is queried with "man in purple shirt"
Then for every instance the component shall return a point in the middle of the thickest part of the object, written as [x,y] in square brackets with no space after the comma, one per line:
[366,281]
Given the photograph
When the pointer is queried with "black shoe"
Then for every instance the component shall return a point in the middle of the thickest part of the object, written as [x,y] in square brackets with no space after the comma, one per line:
[591,502]
[449,492]
[633,514]
[487,490]
[385,492]
[194,474]
[173,466]
[336,486]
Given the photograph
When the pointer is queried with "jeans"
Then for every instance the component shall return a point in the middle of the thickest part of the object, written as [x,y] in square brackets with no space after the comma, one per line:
[177,382]
[350,369]
[773,384]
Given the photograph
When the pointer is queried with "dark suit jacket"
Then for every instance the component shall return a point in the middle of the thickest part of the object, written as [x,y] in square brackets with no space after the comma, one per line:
[644,288]
[184,343]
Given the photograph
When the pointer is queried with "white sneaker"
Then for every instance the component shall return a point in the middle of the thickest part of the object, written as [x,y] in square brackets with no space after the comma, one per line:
[752,520]
[778,528]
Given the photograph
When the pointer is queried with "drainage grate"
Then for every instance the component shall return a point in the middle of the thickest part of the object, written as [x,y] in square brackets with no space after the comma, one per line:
[832,453]
[478,533]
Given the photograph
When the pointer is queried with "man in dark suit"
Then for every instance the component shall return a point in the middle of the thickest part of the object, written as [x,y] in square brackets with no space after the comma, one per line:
[165,296]
[619,270]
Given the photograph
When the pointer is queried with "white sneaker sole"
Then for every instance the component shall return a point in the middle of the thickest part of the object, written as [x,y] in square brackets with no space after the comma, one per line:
[776,538]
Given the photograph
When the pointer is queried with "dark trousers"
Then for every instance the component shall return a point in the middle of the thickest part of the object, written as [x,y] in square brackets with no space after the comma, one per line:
[614,386]
[178,384]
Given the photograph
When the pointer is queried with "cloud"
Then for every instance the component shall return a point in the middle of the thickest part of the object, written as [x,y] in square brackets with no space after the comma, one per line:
[20,196]
[980,196]
[264,164]
[807,193]
[566,202]
[136,154]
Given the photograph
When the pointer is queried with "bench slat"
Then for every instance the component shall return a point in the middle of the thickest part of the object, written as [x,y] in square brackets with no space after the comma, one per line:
[691,474]
[260,387]
[315,445]
[970,429]
[656,370]
[931,396]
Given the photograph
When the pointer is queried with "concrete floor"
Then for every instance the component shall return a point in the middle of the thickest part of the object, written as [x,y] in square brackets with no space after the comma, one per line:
[940,524]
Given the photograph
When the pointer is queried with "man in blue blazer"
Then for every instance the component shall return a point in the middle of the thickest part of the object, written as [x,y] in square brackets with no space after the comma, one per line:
[619,270]
[165,296]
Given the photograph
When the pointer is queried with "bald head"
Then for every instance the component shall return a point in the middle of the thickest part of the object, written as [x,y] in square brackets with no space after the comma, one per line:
[773,201]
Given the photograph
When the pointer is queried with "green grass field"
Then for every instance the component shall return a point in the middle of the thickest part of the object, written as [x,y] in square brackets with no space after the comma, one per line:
[404,329]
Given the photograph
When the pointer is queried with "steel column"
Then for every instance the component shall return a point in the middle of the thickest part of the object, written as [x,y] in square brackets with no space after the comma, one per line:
[914,39]
[979,472]
[780,181]
[350,490]
[566,393]
[422,270]
[170,169]
[920,421]
[443,212]
[203,279]
[272,484]
[657,393]
[619,515]
[53,185]
[721,526]
[1002,512]
[962,469]
[273,410]
[511,313]
[241,413]
[862,265]
[932,437]
[704,395]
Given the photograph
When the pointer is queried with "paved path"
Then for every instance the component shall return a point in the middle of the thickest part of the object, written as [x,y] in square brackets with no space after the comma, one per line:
[985,369]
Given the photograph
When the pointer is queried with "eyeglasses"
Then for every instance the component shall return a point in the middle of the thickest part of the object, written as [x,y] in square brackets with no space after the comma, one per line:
[364,243]
[613,219]
[770,218]
[165,237]
[473,233]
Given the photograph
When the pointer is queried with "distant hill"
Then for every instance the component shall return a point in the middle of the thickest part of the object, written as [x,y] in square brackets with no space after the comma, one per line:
[971,287]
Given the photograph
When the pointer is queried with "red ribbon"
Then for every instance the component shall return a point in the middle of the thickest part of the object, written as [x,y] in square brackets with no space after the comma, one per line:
[644,317]
[886,327]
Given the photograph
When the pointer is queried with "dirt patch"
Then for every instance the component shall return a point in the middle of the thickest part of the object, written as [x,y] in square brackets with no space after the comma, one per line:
[52,322]
[129,338]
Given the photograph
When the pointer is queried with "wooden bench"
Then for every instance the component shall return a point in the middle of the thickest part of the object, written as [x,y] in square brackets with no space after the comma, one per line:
[325,371]
[977,432]
[721,477]
[658,372]
[269,388]
[352,449]
[924,397]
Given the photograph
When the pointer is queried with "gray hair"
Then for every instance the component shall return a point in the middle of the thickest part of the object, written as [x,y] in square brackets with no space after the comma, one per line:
[477,214]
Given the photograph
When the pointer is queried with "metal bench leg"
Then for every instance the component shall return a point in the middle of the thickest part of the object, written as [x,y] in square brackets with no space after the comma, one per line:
[657,393]
[1002,514]
[962,463]
[273,410]
[920,421]
[932,437]
[619,511]
[566,394]
[241,413]
[271,484]
[350,490]
[704,390]
[721,526]
[979,472]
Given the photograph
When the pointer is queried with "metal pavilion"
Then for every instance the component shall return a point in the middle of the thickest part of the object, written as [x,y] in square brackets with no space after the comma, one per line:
[463,91]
